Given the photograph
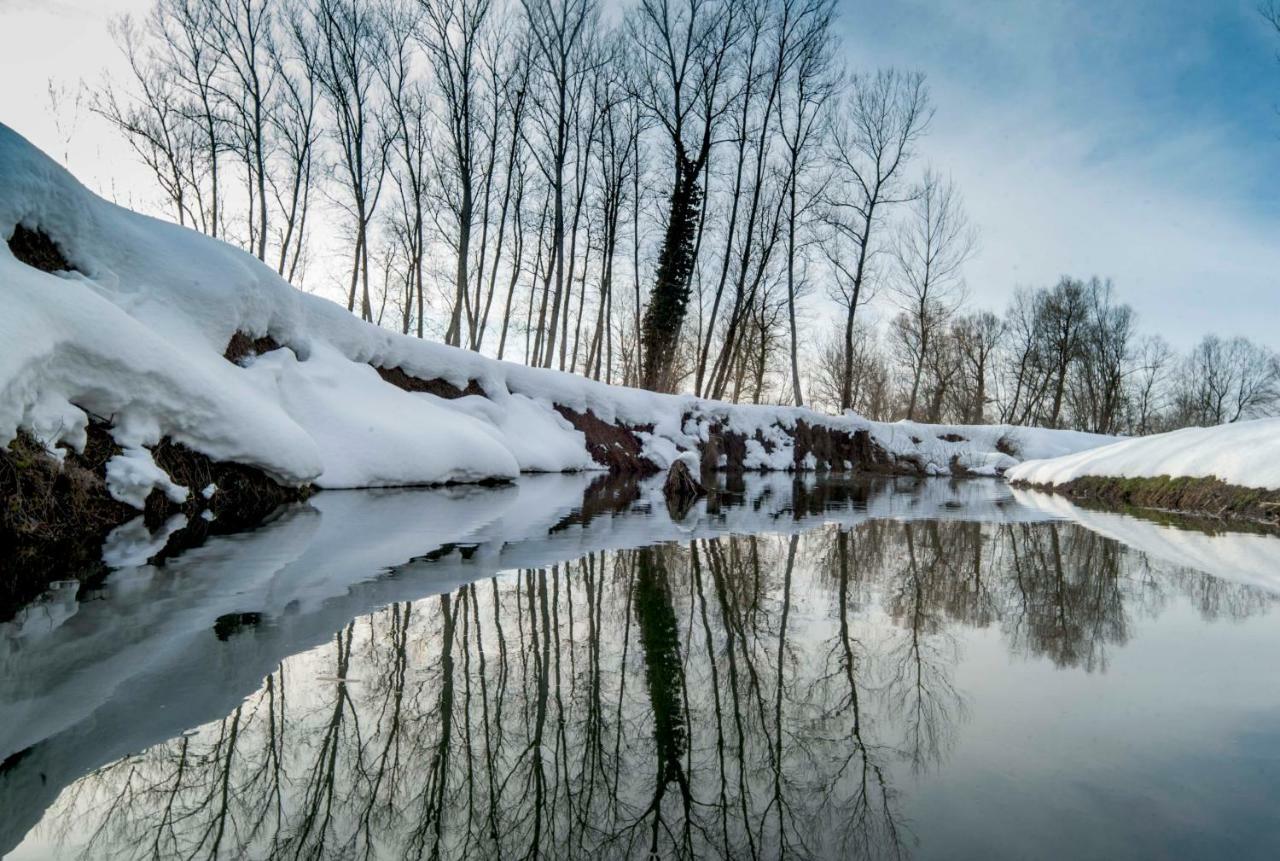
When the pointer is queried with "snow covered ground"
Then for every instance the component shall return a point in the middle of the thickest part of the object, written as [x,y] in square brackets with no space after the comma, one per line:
[136,335]
[1245,454]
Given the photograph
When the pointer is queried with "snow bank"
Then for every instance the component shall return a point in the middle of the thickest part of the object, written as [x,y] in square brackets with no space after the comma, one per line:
[1245,454]
[136,336]
[981,449]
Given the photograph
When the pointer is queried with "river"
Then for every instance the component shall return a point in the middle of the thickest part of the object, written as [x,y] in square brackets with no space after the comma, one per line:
[564,668]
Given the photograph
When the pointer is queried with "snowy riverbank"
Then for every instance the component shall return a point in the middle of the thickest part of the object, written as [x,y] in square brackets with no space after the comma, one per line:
[157,332]
[1230,472]
[1246,454]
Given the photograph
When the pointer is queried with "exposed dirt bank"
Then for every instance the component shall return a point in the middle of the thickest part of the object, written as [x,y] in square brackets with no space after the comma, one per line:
[54,517]
[1200,499]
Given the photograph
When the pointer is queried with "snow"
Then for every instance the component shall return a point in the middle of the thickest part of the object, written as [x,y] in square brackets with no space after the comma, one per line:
[136,336]
[133,474]
[691,462]
[977,448]
[371,434]
[1244,453]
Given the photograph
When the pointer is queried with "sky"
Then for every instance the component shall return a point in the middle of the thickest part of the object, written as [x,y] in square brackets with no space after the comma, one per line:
[1137,140]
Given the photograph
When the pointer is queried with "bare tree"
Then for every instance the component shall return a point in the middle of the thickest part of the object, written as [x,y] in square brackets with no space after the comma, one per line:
[451,34]
[1062,318]
[408,107]
[769,41]
[1225,381]
[297,130]
[176,134]
[977,338]
[509,73]
[618,161]
[801,127]
[558,32]
[64,109]
[340,41]
[1149,381]
[1019,366]
[241,32]
[930,249]
[871,394]
[881,120]
[1098,385]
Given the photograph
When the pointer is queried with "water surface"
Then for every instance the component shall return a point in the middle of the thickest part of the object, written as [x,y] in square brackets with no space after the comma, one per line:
[826,669]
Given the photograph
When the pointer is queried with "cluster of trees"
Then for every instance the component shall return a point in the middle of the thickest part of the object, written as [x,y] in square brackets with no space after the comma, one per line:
[665,195]
[647,195]
[1067,356]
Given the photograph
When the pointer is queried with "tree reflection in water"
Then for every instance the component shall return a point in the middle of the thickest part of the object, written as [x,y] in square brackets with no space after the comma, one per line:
[733,697]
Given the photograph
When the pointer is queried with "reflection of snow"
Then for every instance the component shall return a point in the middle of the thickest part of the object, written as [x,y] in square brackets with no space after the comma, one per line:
[1242,557]
[133,544]
[879,638]
[42,617]
[322,563]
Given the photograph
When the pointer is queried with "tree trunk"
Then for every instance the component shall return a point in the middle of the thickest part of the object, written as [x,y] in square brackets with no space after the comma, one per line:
[669,301]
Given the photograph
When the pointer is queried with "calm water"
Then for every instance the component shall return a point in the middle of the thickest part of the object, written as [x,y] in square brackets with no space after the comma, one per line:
[833,670]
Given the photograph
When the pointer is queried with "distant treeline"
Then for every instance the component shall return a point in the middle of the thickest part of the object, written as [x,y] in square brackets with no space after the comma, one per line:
[1069,356]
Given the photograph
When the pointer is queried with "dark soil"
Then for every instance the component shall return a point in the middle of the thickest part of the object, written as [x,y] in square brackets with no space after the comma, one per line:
[614,446]
[54,517]
[401,379]
[242,346]
[244,494]
[831,449]
[36,249]
[55,502]
[721,442]
[1197,497]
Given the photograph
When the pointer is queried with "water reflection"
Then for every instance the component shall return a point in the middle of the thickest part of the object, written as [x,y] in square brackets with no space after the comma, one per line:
[720,695]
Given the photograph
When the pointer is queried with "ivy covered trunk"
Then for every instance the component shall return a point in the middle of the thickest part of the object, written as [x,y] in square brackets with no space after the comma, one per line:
[670,298]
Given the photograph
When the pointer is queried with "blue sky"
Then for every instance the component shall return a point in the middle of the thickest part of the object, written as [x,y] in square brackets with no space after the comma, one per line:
[1133,139]
[1136,140]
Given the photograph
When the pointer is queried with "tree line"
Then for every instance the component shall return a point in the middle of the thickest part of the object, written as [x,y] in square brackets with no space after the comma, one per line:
[1066,356]
[647,197]
[666,195]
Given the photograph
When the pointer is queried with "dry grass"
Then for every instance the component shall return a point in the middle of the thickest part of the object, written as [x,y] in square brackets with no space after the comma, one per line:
[1200,498]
